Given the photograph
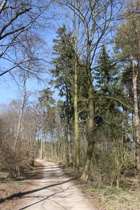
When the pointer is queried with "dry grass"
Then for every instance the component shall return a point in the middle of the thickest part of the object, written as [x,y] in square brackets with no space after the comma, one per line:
[111,198]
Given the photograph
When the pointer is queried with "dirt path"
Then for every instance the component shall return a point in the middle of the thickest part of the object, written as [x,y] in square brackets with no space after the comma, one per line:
[53,190]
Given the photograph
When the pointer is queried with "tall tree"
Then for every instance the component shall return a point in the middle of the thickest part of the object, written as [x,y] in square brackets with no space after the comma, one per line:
[94,18]
[47,116]
[64,73]
[75,94]
[72,75]
[128,41]
[28,46]
[110,94]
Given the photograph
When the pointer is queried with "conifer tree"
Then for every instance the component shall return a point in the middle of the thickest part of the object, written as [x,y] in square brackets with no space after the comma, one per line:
[63,73]
[109,94]
[106,74]
[71,80]
[128,43]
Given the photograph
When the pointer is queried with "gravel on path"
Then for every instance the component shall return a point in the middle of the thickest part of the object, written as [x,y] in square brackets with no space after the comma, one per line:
[53,190]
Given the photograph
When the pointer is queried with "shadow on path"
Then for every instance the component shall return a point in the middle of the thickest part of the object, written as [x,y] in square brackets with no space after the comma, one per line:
[19,195]
[39,201]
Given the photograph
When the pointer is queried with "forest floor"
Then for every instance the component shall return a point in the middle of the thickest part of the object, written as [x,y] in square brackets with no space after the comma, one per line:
[46,186]
[127,197]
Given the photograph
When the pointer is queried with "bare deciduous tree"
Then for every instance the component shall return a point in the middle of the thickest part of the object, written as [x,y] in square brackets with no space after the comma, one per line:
[16,18]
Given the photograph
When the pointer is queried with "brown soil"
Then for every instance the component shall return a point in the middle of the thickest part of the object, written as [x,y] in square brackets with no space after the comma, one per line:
[10,189]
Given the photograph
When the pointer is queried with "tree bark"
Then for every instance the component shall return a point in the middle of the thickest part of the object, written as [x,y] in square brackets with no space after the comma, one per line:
[69,153]
[76,129]
[136,118]
[21,111]
[90,147]
[90,139]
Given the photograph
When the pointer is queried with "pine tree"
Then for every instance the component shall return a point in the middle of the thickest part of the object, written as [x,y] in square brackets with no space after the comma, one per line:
[109,94]
[71,80]
[106,74]
[128,43]
[63,74]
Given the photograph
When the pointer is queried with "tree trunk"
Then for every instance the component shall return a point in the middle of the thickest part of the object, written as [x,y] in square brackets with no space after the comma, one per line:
[41,148]
[90,147]
[69,153]
[22,109]
[136,118]
[76,25]
[76,129]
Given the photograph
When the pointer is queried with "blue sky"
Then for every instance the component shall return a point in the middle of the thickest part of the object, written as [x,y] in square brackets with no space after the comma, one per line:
[9,89]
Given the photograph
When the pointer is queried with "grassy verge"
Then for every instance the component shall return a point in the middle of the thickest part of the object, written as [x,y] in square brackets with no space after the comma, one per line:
[108,198]
[7,180]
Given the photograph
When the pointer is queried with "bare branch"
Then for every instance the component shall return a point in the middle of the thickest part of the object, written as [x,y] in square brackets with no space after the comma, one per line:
[2,5]
[10,22]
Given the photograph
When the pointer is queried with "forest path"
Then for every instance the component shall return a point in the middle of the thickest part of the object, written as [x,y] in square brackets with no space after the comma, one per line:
[53,190]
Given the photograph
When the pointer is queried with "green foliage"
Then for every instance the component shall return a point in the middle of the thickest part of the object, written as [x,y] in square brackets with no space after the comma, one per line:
[107,109]
[106,74]
[127,37]
[46,97]
[63,71]
[46,109]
